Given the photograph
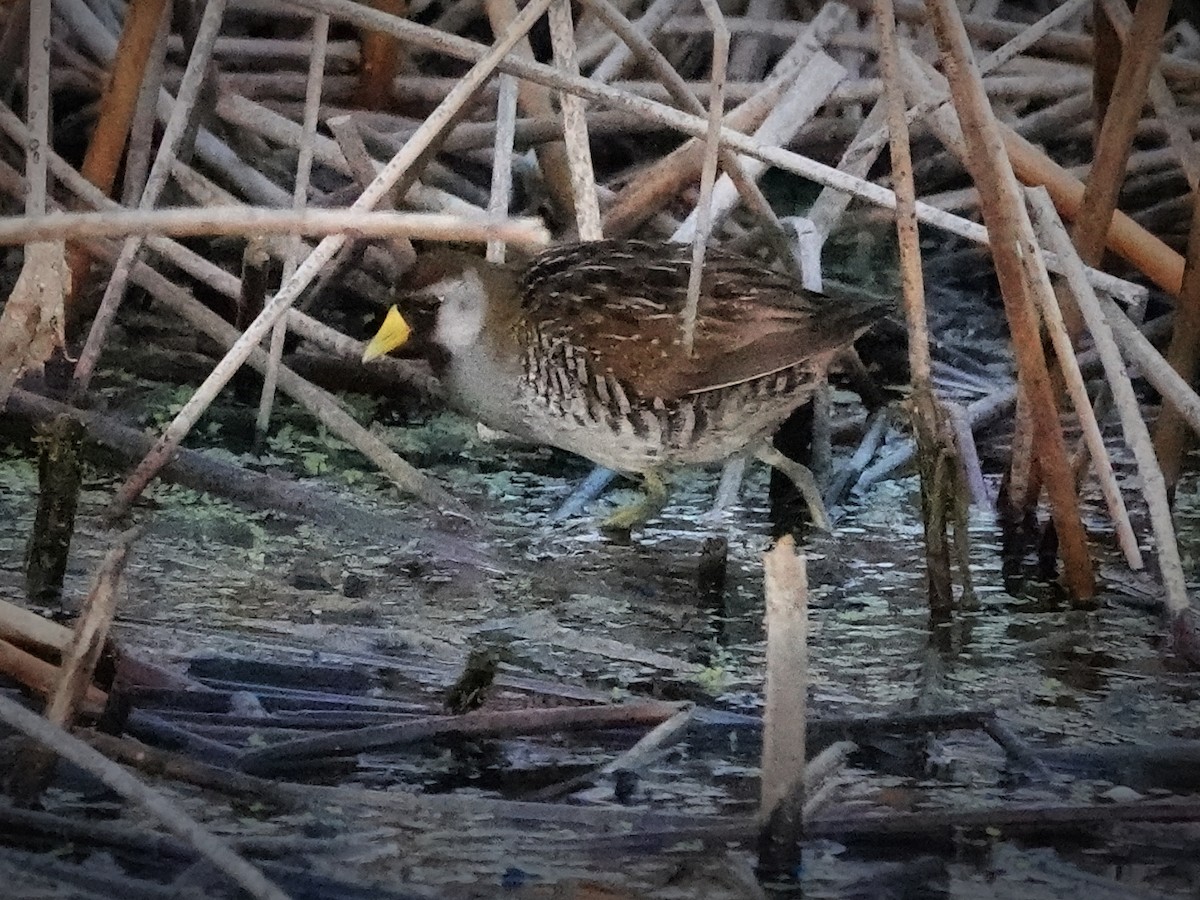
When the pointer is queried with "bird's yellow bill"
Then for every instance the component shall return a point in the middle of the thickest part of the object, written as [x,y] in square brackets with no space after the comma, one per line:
[391,334]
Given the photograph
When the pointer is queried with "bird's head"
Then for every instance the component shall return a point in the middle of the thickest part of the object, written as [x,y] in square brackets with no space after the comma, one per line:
[469,294]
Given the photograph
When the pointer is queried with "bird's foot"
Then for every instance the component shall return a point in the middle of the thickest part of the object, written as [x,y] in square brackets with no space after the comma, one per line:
[626,518]
[639,513]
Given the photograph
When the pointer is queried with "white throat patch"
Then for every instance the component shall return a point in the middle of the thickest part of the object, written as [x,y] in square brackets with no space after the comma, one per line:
[460,316]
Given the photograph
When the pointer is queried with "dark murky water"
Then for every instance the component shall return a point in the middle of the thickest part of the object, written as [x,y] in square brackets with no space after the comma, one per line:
[580,608]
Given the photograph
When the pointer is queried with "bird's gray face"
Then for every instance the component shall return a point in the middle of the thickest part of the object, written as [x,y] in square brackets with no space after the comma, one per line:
[461,313]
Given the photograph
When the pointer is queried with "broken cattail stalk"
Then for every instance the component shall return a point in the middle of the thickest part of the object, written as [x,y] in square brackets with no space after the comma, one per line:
[632,760]
[41,677]
[1070,47]
[30,631]
[646,193]
[31,325]
[79,661]
[240,50]
[752,52]
[785,709]
[819,781]
[1179,136]
[854,91]
[746,186]
[1147,253]
[872,135]
[60,477]
[657,15]
[256,270]
[140,152]
[98,40]
[795,107]
[362,165]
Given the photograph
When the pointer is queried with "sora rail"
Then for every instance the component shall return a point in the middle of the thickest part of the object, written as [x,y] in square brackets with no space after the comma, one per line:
[581,348]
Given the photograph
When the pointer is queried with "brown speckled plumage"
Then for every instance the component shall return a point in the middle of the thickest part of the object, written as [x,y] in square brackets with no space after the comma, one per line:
[581,348]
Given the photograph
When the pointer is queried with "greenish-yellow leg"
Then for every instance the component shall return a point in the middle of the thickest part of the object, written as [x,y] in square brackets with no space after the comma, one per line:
[629,517]
[802,478]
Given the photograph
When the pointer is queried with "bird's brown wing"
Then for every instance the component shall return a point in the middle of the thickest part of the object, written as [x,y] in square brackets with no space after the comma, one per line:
[620,304]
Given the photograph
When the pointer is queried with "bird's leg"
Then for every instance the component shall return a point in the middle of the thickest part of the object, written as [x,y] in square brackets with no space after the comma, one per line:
[729,486]
[802,478]
[629,517]
[585,492]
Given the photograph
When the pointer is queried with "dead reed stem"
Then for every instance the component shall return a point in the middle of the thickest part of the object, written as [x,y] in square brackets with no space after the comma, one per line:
[1171,438]
[140,152]
[1072,47]
[247,220]
[31,324]
[1124,111]
[708,168]
[26,628]
[1050,305]
[575,126]
[502,160]
[745,184]
[829,16]
[41,677]
[312,106]
[176,131]
[37,111]
[1179,136]
[656,15]
[1125,237]
[119,100]
[663,180]
[395,174]
[925,415]
[1004,213]
[1137,435]
[533,99]
[216,851]
[877,137]
[118,103]
[796,106]
[381,58]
